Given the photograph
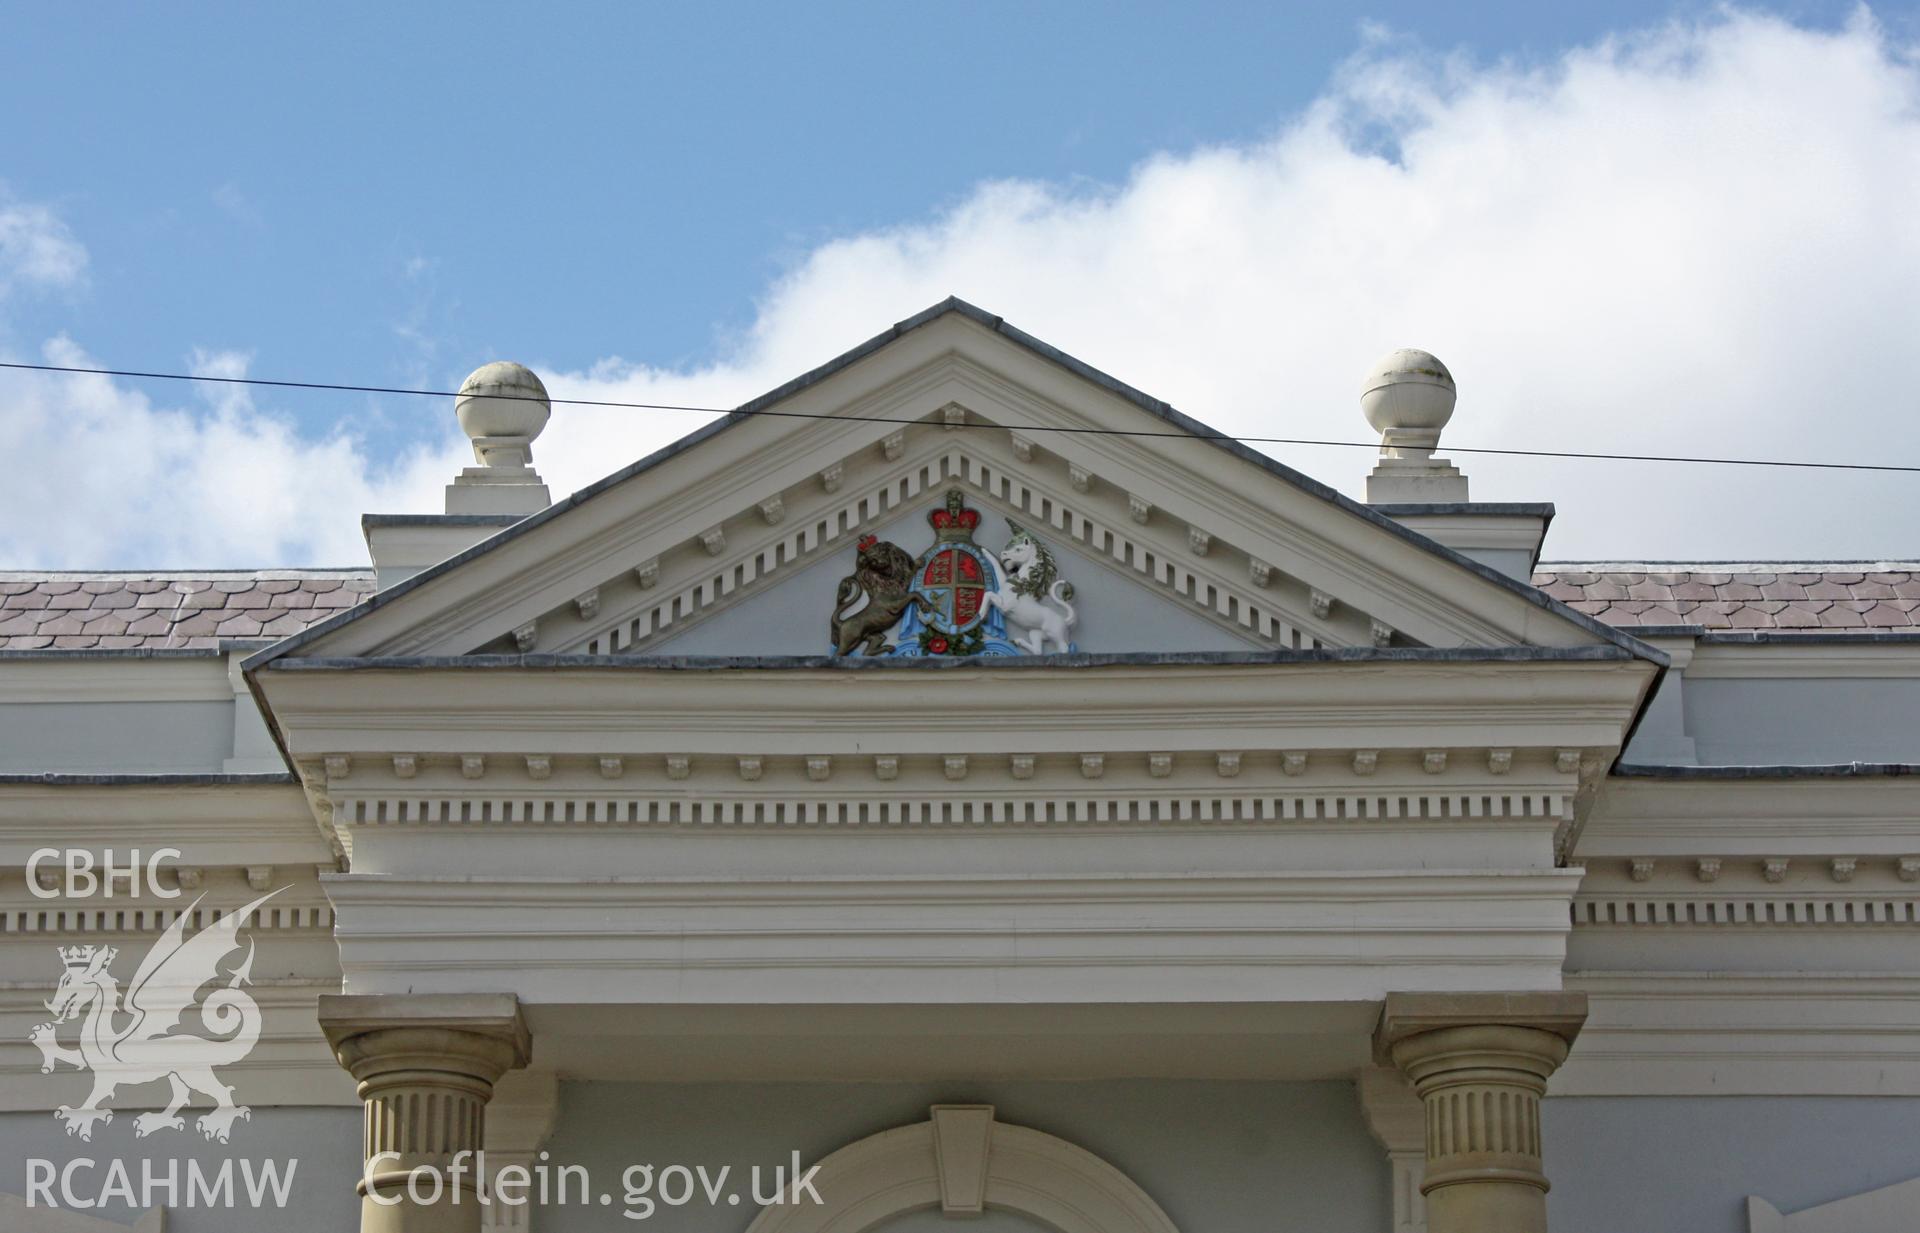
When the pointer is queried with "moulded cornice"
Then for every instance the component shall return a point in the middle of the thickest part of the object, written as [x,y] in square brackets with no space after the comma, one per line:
[985,708]
[214,825]
[1687,818]
[1868,659]
[185,678]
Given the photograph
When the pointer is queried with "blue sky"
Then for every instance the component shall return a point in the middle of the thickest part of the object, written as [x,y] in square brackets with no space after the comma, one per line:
[388,191]
[394,194]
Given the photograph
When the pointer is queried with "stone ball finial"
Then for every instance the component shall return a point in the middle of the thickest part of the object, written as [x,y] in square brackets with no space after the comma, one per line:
[1408,398]
[502,406]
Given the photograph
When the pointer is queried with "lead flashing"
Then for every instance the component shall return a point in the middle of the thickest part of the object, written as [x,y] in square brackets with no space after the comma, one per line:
[1467,509]
[131,652]
[1824,637]
[146,779]
[1821,770]
[370,521]
[1780,637]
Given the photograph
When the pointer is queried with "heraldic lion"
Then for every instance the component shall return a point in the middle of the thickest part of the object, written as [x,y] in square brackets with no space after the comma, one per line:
[884,574]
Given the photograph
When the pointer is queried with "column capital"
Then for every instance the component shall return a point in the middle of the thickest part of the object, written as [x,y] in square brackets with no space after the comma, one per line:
[1409,1014]
[486,1025]
[426,1065]
[1480,1064]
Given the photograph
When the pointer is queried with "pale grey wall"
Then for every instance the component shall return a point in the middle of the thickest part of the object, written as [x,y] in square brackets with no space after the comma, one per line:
[1803,720]
[1735,722]
[1219,1157]
[1687,1165]
[115,736]
[1662,735]
[1116,613]
[324,1142]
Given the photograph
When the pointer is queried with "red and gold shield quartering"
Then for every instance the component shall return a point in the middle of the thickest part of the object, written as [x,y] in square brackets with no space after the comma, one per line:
[956,584]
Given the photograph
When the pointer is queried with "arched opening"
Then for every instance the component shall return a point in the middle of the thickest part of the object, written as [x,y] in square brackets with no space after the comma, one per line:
[961,1162]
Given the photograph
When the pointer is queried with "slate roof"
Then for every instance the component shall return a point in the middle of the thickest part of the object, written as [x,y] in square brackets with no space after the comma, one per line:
[158,610]
[1865,596]
[177,611]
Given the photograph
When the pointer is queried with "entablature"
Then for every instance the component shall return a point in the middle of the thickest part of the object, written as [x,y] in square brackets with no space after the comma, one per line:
[1748,848]
[1157,740]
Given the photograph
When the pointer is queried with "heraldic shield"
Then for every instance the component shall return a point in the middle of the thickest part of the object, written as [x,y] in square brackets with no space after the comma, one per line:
[953,578]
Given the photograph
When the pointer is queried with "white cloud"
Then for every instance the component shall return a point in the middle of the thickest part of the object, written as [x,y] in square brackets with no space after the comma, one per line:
[36,248]
[104,476]
[1695,239]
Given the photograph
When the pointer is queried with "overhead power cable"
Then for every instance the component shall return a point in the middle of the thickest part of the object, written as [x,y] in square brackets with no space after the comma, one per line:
[1176,434]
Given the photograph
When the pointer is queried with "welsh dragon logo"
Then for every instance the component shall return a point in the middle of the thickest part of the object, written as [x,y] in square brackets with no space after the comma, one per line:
[136,1042]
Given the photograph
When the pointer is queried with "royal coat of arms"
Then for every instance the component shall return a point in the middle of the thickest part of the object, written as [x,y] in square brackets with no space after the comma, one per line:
[956,598]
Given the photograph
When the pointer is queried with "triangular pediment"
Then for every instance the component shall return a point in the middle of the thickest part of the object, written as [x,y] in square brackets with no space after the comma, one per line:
[734,540]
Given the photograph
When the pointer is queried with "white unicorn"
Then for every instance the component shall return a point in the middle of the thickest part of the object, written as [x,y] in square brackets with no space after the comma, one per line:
[1028,575]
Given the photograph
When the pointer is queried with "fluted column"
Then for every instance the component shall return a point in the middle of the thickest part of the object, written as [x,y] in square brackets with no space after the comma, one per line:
[426,1066]
[1480,1064]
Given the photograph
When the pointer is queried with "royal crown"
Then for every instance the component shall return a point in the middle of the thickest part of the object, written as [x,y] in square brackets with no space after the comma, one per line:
[83,956]
[956,521]
[868,541]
